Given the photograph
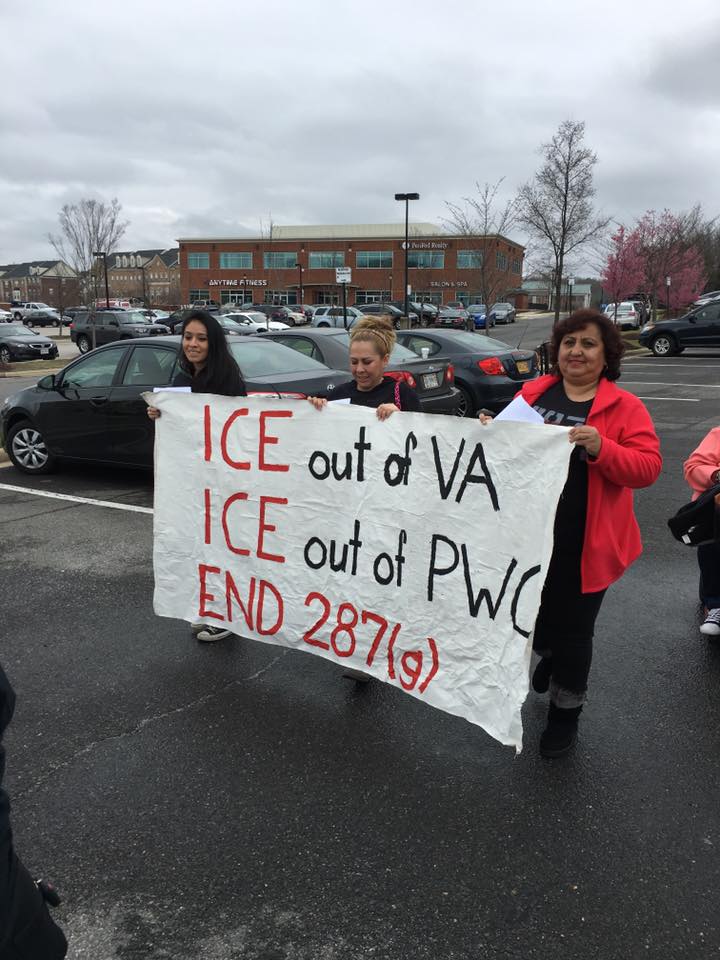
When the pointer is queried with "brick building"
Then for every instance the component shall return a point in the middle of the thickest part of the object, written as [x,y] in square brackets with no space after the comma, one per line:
[297,265]
[149,275]
[44,281]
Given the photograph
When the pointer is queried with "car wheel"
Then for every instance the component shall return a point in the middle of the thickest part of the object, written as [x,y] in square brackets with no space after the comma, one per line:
[83,344]
[5,355]
[466,407]
[663,345]
[18,316]
[26,448]
[29,323]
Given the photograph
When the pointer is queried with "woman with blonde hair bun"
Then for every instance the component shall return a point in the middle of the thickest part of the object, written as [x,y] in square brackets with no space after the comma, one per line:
[371,342]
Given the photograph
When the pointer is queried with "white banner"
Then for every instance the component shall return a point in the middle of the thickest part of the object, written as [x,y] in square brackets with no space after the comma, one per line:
[414,549]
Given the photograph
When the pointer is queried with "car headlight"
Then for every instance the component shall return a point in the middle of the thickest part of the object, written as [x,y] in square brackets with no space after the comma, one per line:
[648,326]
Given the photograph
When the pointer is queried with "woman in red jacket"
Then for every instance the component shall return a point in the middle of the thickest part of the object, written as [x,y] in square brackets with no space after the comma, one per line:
[596,533]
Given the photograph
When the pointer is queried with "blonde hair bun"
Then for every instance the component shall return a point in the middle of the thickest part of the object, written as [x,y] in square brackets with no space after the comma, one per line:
[377,330]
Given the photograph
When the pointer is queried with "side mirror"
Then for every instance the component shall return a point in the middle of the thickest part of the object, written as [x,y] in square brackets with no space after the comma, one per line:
[114,323]
[47,383]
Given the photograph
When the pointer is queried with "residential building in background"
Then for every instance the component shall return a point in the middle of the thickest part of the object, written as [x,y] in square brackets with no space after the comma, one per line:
[44,281]
[152,276]
[296,264]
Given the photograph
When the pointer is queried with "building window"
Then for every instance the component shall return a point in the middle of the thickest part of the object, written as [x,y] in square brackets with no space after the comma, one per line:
[199,295]
[426,259]
[198,261]
[325,259]
[469,259]
[427,296]
[500,261]
[516,265]
[373,259]
[372,296]
[280,296]
[326,297]
[276,260]
[236,261]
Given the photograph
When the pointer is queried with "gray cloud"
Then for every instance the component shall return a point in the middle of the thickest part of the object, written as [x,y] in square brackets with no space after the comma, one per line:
[203,121]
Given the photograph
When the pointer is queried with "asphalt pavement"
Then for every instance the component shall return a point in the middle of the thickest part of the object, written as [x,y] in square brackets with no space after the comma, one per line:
[237,800]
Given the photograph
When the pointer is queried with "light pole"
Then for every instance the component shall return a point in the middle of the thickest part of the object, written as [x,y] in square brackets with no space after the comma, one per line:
[406,197]
[571,282]
[668,282]
[300,283]
[101,253]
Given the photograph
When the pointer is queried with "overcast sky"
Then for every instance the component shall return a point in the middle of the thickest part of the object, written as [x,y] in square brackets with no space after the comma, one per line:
[205,118]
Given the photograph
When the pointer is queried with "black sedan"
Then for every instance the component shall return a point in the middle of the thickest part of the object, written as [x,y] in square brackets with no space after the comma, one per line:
[17,342]
[698,328]
[488,373]
[432,380]
[92,410]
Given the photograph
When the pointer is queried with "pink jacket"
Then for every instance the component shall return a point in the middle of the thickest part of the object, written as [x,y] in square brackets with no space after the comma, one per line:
[703,462]
[629,459]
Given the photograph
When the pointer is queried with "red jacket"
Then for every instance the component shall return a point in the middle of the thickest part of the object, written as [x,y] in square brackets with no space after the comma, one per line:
[629,458]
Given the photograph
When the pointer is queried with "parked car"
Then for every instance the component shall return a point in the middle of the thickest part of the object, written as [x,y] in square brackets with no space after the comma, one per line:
[431,379]
[455,305]
[502,312]
[333,316]
[35,314]
[707,298]
[425,312]
[249,323]
[387,310]
[699,327]
[155,316]
[305,308]
[629,314]
[19,343]
[278,311]
[454,317]
[99,394]
[110,325]
[488,373]
[5,316]
[478,315]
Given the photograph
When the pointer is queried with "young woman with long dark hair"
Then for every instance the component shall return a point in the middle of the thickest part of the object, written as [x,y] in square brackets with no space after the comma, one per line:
[206,366]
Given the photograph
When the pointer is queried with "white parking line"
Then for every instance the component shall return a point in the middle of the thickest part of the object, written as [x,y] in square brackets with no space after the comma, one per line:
[678,366]
[129,507]
[670,399]
[663,383]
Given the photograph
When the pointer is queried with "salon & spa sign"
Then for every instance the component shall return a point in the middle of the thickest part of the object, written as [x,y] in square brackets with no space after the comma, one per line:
[413,549]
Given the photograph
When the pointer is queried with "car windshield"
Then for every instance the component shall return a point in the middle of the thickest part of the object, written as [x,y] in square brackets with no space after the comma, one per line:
[502,306]
[260,358]
[15,330]
[480,307]
[134,317]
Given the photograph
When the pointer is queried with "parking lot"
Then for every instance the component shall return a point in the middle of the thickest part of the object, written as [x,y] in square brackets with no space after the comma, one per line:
[240,800]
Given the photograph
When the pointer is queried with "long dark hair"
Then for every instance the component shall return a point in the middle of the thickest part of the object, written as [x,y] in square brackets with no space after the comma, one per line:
[612,341]
[221,373]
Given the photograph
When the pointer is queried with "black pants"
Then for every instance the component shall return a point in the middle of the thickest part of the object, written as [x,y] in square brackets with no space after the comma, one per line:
[564,629]
[27,931]
[708,555]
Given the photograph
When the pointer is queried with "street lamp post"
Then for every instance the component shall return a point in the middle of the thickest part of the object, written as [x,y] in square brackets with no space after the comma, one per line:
[406,197]
[571,283]
[668,282]
[300,283]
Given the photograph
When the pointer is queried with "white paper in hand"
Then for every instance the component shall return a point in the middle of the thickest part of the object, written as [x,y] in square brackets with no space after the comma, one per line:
[520,410]
[172,389]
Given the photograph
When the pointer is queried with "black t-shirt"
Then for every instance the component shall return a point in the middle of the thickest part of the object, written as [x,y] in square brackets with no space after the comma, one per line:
[555,407]
[233,385]
[384,392]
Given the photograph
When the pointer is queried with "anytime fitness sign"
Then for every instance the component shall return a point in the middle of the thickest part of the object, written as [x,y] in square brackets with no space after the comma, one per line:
[413,549]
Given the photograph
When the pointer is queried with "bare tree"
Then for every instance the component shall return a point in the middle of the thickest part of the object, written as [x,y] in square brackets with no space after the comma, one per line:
[484,216]
[86,227]
[707,240]
[556,206]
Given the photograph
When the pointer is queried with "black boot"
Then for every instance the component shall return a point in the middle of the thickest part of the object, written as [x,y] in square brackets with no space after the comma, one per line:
[541,676]
[560,734]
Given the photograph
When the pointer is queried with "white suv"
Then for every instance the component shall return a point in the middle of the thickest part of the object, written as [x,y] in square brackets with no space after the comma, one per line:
[332,316]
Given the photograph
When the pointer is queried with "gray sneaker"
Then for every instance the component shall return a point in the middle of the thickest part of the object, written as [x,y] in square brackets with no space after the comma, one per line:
[711,626]
[209,634]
